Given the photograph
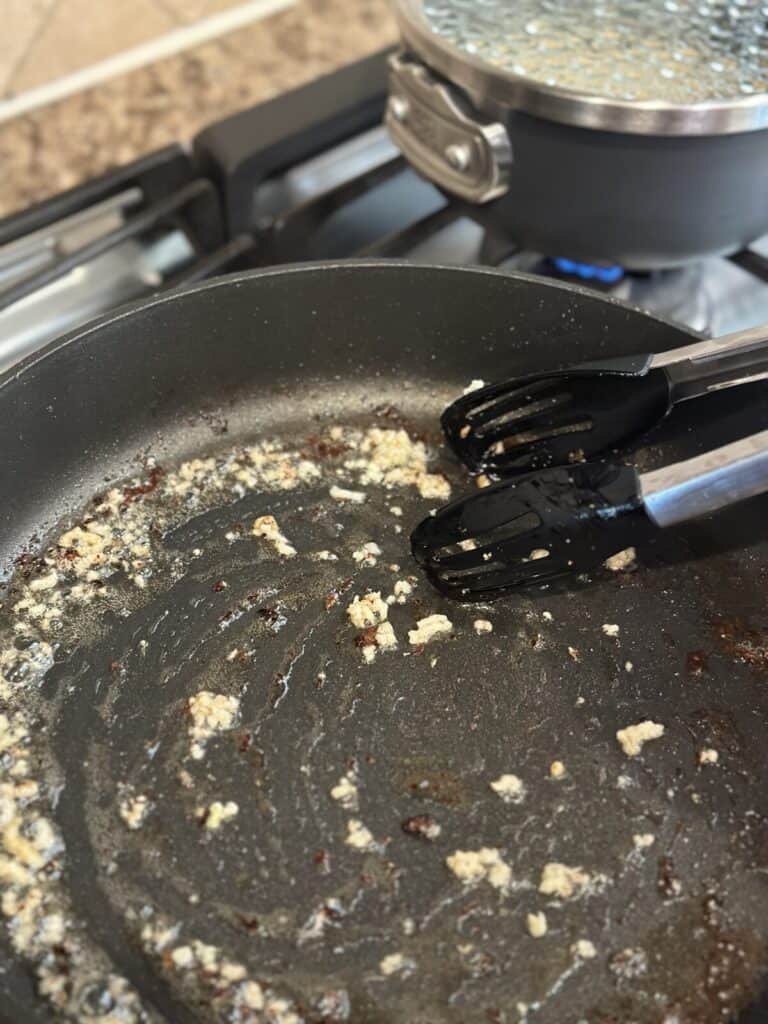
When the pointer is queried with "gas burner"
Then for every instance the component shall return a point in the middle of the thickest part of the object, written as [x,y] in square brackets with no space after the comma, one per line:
[310,175]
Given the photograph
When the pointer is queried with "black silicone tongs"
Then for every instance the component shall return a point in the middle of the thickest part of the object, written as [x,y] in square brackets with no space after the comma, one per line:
[550,419]
[536,529]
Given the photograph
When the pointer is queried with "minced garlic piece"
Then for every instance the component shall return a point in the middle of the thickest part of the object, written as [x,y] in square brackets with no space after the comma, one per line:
[12,732]
[622,560]
[429,628]
[643,840]
[134,810]
[510,788]
[232,972]
[211,713]
[182,956]
[215,816]
[280,1011]
[391,458]
[708,756]
[584,949]
[92,542]
[560,880]
[537,924]
[486,864]
[21,849]
[385,636]
[633,737]
[341,494]
[610,629]
[52,930]
[394,963]
[272,467]
[345,792]
[190,476]
[434,486]
[324,556]
[47,582]
[252,995]
[368,611]
[367,554]
[358,836]
[401,592]
[557,770]
[537,554]
[266,527]
[483,626]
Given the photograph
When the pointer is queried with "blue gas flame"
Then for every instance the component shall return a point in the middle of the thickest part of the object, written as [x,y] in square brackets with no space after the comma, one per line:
[588,271]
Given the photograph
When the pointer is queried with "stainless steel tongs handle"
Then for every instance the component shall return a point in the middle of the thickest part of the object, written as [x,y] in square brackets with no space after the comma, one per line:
[701,351]
[707,482]
[738,358]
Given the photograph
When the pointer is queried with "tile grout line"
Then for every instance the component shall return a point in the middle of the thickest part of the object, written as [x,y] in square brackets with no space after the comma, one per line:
[167,45]
[19,62]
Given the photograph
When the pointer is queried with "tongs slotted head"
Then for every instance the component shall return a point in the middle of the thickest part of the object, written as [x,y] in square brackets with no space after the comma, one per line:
[534,530]
[527,423]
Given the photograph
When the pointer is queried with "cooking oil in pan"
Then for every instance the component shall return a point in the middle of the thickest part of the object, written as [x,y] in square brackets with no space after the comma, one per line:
[673,51]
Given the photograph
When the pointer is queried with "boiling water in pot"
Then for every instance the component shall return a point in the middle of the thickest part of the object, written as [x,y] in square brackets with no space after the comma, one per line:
[674,51]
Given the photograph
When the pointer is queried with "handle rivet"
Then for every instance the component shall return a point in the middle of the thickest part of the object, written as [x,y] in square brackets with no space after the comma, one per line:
[459,156]
[399,107]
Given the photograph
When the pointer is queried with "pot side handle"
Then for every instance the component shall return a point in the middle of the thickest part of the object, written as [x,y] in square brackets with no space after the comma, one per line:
[442,137]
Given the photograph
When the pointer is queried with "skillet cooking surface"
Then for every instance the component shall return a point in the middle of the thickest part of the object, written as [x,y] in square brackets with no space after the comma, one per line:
[205,860]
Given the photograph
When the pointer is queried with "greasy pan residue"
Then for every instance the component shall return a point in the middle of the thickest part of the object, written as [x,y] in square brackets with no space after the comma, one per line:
[299,786]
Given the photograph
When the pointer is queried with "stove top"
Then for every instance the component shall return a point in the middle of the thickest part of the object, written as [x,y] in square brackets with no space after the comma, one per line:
[310,175]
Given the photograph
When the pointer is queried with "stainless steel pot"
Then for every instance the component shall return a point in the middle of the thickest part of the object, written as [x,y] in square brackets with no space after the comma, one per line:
[642,184]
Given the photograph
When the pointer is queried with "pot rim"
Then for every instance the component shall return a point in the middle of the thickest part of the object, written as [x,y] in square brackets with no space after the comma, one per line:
[488,84]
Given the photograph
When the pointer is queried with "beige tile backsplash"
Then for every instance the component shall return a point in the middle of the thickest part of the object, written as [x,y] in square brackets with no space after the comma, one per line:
[22,21]
[189,11]
[43,40]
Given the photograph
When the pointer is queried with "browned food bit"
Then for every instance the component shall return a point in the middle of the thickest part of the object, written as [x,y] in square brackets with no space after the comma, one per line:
[743,643]
[322,861]
[696,662]
[668,884]
[429,783]
[367,638]
[130,494]
[423,826]
[322,448]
